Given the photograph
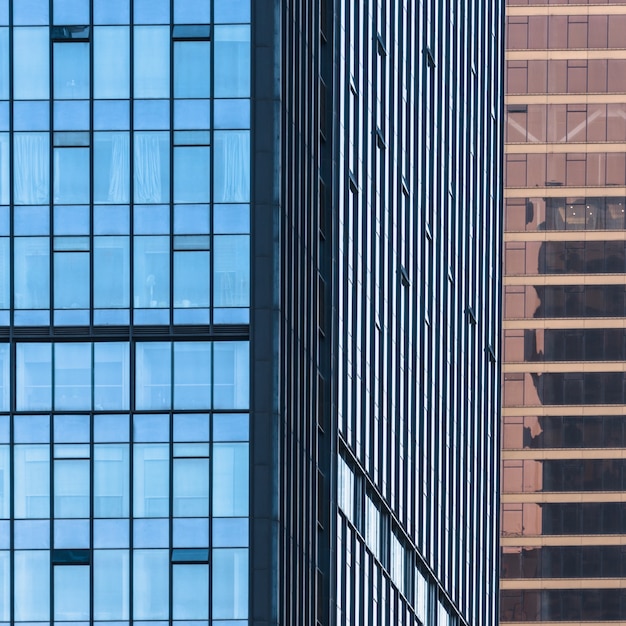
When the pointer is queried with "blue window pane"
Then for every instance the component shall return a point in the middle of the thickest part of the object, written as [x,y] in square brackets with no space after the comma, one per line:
[71,428]
[150,584]
[4,63]
[192,174]
[31,12]
[232,271]
[5,428]
[110,428]
[31,220]
[192,11]
[111,272]
[191,487]
[31,272]
[31,534]
[71,592]
[72,376]
[4,119]
[190,592]
[110,115]
[31,115]
[231,11]
[232,61]
[71,71]
[111,11]
[151,114]
[231,375]
[31,428]
[151,533]
[231,166]
[191,427]
[152,62]
[5,585]
[5,181]
[231,114]
[71,280]
[111,168]
[230,533]
[31,162]
[110,481]
[110,533]
[110,585]
[111,220]
[111,62]
[152,266]
[71,534]
[111,376]
[230,479]
[192,114]
[151,480]
[71,12]
[31,63]
[190,532]
[230,584]
[151,219]
[71,175]
[192,65]
[71,220]
[191,219]
[192,375]
[71,488]
[151,11]
[32,586]
[151,167]
[5,375]
[191,279]
[33,376]
[31,481]
[231,218]
[152,427]
[71,115]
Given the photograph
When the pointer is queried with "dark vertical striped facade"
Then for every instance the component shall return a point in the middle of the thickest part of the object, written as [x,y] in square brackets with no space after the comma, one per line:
[375,312]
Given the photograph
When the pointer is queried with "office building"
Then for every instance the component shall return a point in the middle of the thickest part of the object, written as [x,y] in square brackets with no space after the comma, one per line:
[563,522]
[249,307]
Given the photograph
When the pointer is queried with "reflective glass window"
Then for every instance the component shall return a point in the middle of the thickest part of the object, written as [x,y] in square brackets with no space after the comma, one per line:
[72,376]
[31,58]
[5,377]
[71,11]
[111,481]
[191,487]
[231,171]
[231,378]
[4,169]
[71,175]
[232,271]
[71,488]
[31,481]
[230,479]
[230,584]
[4,63]
[192,66]
[71,71]
[150,584]
[153,376]
[190,592]
[31,273]
[71,280]
[111,62]
[71,593]
[151,178]
[110,585]
[191,278]
[151,62]
[32,586]
[111,272]
[152,268]
[5,586]
[231,11]
[192,174]
[5,482]
[151,480]
[232,61]
[111,376]
[192,375]
[111,183]
[33,376]
[111,11]
[31,168]
[31,12]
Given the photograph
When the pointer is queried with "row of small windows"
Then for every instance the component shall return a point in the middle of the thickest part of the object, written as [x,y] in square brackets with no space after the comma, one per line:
[151,46]
[85,376]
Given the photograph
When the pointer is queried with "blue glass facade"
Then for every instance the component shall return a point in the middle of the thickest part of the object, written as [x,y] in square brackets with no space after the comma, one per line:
[124,311]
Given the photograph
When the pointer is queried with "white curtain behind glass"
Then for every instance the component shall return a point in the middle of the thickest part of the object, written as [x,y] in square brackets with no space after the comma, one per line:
[32,168]
[147,168]
[4,168]
[233,185]
[120,167]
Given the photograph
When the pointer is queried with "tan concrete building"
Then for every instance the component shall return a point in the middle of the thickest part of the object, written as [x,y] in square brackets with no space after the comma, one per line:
[564,438]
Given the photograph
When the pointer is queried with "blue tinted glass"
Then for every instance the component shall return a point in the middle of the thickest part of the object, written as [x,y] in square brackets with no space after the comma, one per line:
[231,254]
[190,533]
[72,375]
[31,115]
[31,220]
[110,576]
[151,479]
[111,428]
[31,272]
[5,165]
[31,592]
[111,220]
[111,62]
[31,534]
[231,11]
[152,114]
[190,592]
[110,533]
[33,377]
[111,376]
[31,63]
[71,534]
[111,11]
[110,115]
[151,274]
[153,427]
[4,120]
[4,220]
[71,592]
[151,533]
[71,115]
[191,427]
[4,12]
[192,375]
[4,63]
[71,428]
[71,12]
[152,11]
[111,168]
[232,113]
[191,488]
[192,174]
[111,272]
[31,481]
[31,160]
[231,218]
[71,284]
[192,114]
[150,584]
[230,427]
[191,279]
[71,71]
[230,533]
[151,157]
[71,220]
[232,61]
[71,175]
[4,377]
[111,484]
[151,220]
[192,11]
[71,488]
[30,12]
[5,278]
[230,479]
[152,62]
[191,219]
[5,535]
[192,64]
[230,584]
[31,428]
[231,171]
[4,428]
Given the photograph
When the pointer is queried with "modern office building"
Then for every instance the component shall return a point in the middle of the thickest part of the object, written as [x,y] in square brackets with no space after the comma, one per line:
[249,312]
[564,481]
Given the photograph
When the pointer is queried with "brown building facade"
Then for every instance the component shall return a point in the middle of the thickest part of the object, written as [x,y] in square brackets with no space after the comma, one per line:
[564,437]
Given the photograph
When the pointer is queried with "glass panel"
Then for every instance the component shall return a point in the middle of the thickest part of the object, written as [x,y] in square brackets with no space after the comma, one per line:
[151,480]
[231,11]
[345,488]
[33,376]
[71,12]
[151,428]
[111,376]
[71,593]
[31,165]
[5,376]
[230,584]
[191,279]
[232,61]
[111,168]
[31,481]
[192,65]
[231,166]
[111,62]
[111,272]
[5,586]
[32,586]
[372,526]
[190,593]
[191,219]
[31,12]
[71,175]
[231,375]
[72,376]
[152,62]
[191,427]
[31,63]
[232,271]
[111,11]
[110,481]
[71,71]
[111,587]
[71,280]
[5,171]
[191,487]
[4,63]
[5,482]
[230,480]
[192,375]
[192,174]
[70,220]
[71,428]
[31,273]
[71,488]
[151,167]
[152,265]
[192,12]
[151,584]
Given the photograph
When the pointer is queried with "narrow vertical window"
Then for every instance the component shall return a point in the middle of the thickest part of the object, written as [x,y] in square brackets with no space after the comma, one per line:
[71,70]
